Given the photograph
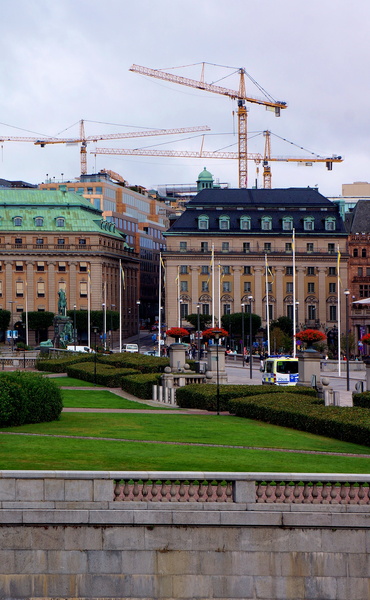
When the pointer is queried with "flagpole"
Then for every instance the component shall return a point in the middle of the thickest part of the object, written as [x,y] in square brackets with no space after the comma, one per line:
[178,295]
[26,314]
[338,316]
[294,301]
[267,309]
[89,306]
[120,305]
[160,304]
[219,295]
[213,285]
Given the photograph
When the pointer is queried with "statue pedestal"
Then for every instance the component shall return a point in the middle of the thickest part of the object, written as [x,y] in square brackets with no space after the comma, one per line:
[216,354]
[63,331]
[308,365]
[177,356]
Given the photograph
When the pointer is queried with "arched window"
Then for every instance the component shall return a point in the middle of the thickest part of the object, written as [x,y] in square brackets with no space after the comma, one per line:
[245,223]
[308,223]
[266,223]
[203,222]
[60,222]
[39,221]
[330,224]
[17,221]
[224,222]
[287,224]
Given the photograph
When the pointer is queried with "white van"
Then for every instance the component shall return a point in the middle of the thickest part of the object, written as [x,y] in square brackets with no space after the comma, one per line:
[79,349]
[130,348]
[280,370]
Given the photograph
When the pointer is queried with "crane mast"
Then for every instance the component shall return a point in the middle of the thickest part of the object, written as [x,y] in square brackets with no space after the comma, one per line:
[239,95]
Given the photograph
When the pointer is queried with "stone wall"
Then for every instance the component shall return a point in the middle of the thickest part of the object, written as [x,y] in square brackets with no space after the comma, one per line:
[82,535]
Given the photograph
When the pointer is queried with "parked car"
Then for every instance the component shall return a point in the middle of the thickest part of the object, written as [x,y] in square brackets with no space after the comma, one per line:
[130,348]
[151,353]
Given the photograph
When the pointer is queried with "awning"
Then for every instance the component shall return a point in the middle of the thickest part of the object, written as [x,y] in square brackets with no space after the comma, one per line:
[363,301]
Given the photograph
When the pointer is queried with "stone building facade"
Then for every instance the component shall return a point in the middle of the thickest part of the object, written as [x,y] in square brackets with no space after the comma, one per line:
[217,250]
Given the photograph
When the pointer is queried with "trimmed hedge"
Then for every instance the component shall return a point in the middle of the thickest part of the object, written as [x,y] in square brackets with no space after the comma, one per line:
[139,362]
[362,400]
[59,365]
[204,396]
[106,375]
[306,414]
[28,398]
[141,385]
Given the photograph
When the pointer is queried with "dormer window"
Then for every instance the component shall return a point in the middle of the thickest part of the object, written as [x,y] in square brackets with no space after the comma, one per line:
[60,222]
[17,221]
[287,224]
[203,222]
[224,223]
[39,221]
[266,223]
[330,224]
[308,223]
[245,223]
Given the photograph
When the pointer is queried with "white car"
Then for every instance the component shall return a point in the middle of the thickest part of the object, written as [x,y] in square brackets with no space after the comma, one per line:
[130,348]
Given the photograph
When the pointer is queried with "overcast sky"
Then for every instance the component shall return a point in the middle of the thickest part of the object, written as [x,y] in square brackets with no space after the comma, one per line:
[66,60]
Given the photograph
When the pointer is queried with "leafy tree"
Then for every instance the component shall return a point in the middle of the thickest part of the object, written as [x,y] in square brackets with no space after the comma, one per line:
[39,321]
[4,320]
[280,341]
[204,320]
[283,323]
[233,323]
[96,319]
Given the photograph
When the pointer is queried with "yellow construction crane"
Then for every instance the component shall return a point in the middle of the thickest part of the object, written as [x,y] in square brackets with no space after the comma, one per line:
[307,161]
[239,95]
[84,140]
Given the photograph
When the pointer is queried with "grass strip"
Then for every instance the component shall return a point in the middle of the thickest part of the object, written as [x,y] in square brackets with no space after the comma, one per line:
[101,399]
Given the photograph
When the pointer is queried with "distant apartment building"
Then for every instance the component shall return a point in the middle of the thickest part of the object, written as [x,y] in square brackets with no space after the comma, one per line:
[139,215]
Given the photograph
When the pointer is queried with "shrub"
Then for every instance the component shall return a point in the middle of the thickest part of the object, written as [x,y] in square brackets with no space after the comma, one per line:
[59,365]
[28,398]
[139,362]
[306,414]
[204,396]
[106,375]
[362,399]
[141,385]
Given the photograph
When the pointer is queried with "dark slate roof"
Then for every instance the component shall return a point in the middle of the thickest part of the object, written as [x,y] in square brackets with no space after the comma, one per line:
[257,203]
[358,220]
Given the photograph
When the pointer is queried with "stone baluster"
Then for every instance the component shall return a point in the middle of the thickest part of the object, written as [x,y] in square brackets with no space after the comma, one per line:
[219,492]
[136,490]
[209,492]
[173,492]
[325,493]
[287,493]
[259,492]
[145,490]
[315,494]
[343,494]
[117,490]
[154,492]
[333,494]
[352,494]
[229,491]
[126,491]
[191,492]
[269,492]
[296,493]
[361,494]
[278,493]
[182,491]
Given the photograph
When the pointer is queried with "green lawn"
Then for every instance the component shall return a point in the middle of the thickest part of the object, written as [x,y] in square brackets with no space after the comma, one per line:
[100,399]
[113,454]
[71,381]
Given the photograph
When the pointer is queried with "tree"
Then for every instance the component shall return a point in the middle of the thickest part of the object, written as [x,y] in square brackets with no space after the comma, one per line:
[39,321]
[280,341]
[233,323]
[285,324]
[204,320]
[96,318]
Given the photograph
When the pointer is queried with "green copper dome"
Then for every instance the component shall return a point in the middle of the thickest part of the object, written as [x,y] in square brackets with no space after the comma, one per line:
[205,175]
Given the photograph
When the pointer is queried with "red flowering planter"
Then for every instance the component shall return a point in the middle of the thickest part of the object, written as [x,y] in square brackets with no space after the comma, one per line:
[310,336]
[213,331]
[366,338]
[177,332]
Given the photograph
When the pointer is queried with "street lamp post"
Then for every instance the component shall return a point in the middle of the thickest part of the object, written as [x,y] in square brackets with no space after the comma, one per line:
[138,324]
[243,315]
[347,292]
[217,337]
[74,326]
[198,332]
[250,298]
[95,330]
[105,324]
[180,315]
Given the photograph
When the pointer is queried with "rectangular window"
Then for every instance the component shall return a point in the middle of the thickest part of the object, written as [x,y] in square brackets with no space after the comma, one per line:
[226,286]
[367,271]
[83,289]
[289,287]
[183,246]
[184,310]
[269,287]
[310,247]
[311,312]
[247,270]
[363,252]
[332,313]
[289,311]
[227,309]
[204,246]
[226,270]
[204,270]
[332,271]
[267,247]
[288,247]
[18,241]
[205,309]
[288,270]
[364,291]
[332,288]
[331,248]
[40,241]
[247,286]
[40,289]
[19,266]
[61,241]
[311,288]
[205,286]
[82,242]
[61,267]
[310,270]
[183,270]
[225,247]
[183,286]
[40,266]
[19,289]
[83,267]
[1,288]
[359,271]
[246,247]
